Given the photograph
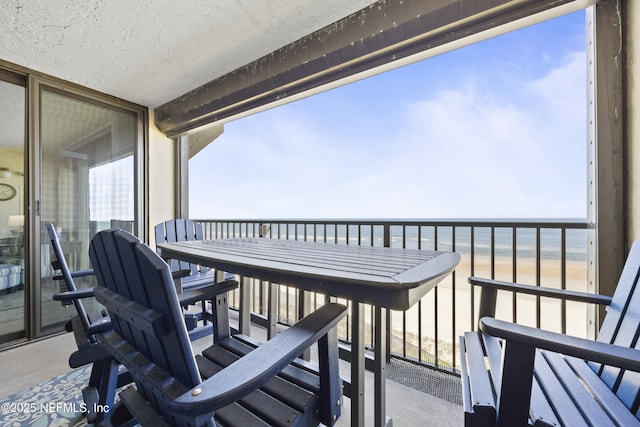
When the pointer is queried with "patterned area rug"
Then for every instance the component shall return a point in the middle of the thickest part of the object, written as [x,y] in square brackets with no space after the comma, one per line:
[55,402]
[58,402]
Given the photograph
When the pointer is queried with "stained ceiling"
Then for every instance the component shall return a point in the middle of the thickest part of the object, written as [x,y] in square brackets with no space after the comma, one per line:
[152,51]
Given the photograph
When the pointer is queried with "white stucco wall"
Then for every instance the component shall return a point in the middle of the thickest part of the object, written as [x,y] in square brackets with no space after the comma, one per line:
[161,178]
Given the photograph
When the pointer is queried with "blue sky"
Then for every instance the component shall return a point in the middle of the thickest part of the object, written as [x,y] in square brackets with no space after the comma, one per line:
[493,130]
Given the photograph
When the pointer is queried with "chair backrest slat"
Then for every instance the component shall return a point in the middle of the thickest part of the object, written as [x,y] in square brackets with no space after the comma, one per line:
[179,230]
[136,273]
[100,251]
[622,297]
[621,326]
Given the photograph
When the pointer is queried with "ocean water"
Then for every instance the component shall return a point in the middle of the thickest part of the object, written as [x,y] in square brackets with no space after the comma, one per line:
[460,239]
[528,237]
[525,240]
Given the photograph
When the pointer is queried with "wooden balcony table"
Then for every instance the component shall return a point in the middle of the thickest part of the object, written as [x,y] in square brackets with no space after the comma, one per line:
[387,278]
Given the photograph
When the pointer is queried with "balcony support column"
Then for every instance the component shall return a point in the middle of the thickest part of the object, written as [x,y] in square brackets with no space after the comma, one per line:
[606,162]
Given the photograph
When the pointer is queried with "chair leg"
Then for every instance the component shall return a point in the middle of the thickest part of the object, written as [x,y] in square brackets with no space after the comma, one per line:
[220,309]
[119,416]
[100,393]
[330,384]
[515,390]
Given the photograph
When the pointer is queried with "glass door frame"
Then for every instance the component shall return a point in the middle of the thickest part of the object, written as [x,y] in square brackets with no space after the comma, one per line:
[33,271]
[21,80]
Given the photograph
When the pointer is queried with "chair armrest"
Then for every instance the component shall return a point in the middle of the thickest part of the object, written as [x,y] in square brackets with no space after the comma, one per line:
[595,351]
[75,274]
[260,365]
[192,296]
[73,295]
[490,288]
[94,353]
[100,326]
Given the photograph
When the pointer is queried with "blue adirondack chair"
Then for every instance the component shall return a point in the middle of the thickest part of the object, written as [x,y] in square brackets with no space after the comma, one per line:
[106,376]
[189,276]
[181,230]
[106,373]
[516,375]
[233,382]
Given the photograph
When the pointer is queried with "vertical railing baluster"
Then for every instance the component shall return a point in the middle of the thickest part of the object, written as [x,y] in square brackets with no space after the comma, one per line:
[492,251]
[295,304]
[287,314]
[472,267]
[404,334]
[538,278]
[386,236]
[372,237]
[372,325]
[436,233]
[421,345]
[514,305]
[453,301]
[563,278]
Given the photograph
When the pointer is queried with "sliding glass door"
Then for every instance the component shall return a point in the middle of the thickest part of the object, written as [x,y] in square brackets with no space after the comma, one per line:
[71,157]
[88,166]
[12,184]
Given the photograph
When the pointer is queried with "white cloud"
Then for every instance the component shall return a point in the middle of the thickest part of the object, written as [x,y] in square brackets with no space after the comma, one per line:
[466,151]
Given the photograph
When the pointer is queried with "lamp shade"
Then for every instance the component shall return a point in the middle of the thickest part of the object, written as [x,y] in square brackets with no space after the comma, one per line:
[16,221]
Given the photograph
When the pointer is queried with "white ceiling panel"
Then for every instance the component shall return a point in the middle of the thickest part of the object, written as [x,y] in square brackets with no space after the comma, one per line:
[151,51]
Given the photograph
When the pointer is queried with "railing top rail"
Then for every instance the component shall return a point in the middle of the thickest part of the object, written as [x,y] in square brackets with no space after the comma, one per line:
[569,223]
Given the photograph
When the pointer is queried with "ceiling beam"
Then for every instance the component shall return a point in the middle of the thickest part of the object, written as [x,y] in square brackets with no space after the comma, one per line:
[386,32]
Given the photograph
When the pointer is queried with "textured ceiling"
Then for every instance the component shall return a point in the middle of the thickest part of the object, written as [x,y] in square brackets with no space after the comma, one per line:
[151,51]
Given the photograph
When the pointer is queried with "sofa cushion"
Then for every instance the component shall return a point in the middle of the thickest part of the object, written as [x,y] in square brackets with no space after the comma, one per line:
[9,269]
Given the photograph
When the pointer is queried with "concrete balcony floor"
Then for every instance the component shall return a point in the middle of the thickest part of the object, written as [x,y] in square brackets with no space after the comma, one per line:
[28,365]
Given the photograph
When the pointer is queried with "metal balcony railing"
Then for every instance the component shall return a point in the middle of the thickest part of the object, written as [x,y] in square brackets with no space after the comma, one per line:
[543,253]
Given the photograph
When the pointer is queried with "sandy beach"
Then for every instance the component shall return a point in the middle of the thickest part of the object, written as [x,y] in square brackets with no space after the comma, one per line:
[432,318]
[443,301]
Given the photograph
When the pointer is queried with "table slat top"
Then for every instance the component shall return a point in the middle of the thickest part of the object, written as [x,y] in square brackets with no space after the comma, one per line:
[316,265]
